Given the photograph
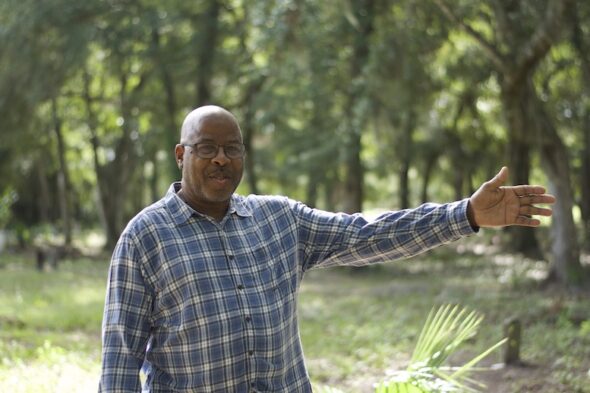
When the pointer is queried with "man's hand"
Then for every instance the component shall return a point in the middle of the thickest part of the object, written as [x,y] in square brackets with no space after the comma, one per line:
[494,205]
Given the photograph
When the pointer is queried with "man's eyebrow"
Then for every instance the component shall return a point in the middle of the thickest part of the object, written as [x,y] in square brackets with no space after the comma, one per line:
[209,140]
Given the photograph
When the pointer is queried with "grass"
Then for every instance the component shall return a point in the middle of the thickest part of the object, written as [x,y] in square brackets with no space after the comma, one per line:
[357,326]
[50,325]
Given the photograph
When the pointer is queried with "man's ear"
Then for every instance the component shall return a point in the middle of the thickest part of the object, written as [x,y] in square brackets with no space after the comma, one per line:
[179,155]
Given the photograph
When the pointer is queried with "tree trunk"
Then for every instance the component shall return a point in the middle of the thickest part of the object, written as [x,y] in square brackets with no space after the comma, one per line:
[44,199]
[172,134]
[430,162]
[207,28]
[406,152]
[315,178]
[364,11]
[173,131]
[583,48]
[154,180]
[98,169]
[248,134]
[458,182]
[112,179]
[404,189]
[353,181]
[515,106]
[585,182]
[121,167]
[249,131]
[566,266]
[63,179]
[333,192]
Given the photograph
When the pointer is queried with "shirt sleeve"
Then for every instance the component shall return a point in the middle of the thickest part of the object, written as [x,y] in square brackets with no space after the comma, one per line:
[126,326]
[330,239]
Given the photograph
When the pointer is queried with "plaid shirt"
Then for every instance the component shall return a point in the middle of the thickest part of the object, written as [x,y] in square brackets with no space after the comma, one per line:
[211,306]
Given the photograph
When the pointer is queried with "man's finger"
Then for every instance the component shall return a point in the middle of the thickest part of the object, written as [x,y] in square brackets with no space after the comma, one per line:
[527,190]
[534,211]
[536,199]
[499,179]
[527,221]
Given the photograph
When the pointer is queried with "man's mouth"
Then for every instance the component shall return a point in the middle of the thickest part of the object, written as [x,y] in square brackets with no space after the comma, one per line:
[220,177]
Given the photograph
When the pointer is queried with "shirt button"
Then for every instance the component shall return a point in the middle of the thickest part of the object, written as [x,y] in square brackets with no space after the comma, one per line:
[250,352]
[230,257]
[248,319]
[240,286]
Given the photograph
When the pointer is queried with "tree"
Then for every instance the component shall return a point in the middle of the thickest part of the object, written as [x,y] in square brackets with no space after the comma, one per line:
[401,86]
[515,57]
[362,20]
[580,42]
[40,45]
[63,176]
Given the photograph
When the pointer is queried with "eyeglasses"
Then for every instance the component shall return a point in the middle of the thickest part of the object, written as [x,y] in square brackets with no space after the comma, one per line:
[209,150]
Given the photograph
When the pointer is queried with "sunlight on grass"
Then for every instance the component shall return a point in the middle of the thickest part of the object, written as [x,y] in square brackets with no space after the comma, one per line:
[50,326]
[357,326]
[54,369]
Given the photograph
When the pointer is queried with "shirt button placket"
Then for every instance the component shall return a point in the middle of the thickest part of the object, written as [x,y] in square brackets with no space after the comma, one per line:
[241,287]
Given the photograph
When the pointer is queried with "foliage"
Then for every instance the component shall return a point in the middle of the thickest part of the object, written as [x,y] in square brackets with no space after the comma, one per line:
[389,101]
[446,328]
[7,198]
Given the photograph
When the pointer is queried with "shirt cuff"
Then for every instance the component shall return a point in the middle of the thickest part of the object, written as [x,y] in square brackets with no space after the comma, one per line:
[460,224]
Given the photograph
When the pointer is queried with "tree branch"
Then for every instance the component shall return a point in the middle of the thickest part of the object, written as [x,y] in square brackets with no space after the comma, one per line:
[580,44]
[490,50]
[502,30]
[540,42]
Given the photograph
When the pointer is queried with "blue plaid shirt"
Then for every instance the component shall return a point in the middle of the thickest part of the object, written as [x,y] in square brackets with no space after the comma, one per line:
[211,306]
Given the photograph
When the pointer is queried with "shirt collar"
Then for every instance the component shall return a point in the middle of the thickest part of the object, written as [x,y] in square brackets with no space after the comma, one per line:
[181,212]
[237,205]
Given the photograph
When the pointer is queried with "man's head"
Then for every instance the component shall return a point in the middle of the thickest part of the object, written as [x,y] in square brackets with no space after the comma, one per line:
[210,155]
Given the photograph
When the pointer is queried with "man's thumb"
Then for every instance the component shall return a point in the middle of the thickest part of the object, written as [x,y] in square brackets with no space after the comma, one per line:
[500,178]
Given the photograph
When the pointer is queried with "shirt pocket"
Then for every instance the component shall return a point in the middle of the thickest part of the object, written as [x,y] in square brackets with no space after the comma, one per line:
[275,284]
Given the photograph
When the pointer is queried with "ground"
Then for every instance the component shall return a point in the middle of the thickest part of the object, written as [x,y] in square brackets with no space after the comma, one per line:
[388,304]
[357,326]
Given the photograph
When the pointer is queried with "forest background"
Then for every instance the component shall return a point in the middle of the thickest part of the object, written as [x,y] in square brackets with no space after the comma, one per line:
[352,105]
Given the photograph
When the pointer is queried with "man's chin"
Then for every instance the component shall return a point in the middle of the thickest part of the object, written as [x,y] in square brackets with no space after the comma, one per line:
[219,197]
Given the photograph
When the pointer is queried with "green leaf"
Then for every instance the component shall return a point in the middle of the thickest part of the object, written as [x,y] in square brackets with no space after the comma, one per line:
[399,387]
[446,328]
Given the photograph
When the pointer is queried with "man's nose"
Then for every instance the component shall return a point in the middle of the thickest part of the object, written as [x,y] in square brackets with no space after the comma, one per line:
[220,158]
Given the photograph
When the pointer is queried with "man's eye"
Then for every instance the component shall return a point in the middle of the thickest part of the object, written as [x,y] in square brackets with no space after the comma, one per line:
[207,149]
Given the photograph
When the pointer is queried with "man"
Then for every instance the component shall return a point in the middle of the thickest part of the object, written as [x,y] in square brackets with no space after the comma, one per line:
[203,284]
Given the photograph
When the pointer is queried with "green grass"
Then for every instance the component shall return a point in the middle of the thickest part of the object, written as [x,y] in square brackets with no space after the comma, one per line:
[357,326]
[50,325]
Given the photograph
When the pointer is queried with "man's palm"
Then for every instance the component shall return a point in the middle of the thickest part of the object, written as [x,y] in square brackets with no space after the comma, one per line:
[495,205]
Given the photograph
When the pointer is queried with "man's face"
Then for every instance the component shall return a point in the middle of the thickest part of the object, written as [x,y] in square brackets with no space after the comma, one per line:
[207,183]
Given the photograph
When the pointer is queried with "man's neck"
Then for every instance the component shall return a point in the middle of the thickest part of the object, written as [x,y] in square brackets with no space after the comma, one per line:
[215,210]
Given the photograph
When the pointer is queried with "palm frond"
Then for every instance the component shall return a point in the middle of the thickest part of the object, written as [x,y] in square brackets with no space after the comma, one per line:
[446,328]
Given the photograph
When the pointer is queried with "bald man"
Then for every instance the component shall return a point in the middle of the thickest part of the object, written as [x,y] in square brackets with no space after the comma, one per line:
[203,284]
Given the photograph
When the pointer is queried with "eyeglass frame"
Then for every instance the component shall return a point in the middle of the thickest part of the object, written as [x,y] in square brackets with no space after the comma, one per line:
[195,147]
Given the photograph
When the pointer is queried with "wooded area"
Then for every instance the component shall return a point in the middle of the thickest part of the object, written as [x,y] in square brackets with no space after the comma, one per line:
[346,105]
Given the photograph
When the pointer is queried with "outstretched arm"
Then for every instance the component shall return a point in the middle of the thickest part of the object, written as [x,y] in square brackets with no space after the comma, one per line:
[495,205]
